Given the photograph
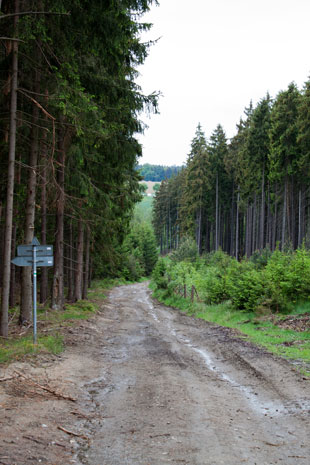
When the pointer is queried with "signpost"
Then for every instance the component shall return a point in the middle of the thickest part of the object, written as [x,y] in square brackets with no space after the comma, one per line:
[34,255]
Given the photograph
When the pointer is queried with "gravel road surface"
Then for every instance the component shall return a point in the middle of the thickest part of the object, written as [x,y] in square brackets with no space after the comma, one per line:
[177,390]
[151,386]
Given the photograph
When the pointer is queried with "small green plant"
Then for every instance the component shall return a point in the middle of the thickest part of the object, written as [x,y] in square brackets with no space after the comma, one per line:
[187,251]
[159,275]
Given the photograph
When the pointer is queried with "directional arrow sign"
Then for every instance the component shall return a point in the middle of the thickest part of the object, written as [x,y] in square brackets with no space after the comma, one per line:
[45,261]
[22,261]
[42,250]
[27,261]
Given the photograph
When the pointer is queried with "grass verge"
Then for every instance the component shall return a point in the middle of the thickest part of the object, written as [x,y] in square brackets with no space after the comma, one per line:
[262,330]
[20,341]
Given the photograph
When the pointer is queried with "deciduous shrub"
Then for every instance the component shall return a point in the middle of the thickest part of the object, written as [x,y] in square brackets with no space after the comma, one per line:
[273,281]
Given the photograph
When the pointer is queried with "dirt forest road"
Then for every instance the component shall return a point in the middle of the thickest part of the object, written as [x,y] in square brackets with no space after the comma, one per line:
[163,388]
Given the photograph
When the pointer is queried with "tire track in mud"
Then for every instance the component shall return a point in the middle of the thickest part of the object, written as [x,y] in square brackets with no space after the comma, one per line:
[180,390]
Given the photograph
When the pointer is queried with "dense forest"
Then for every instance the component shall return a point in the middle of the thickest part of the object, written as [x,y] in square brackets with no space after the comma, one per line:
[157,173]
[246,194]
[69,114]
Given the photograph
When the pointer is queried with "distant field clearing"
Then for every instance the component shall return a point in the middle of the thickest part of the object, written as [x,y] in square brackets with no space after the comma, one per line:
[150,186]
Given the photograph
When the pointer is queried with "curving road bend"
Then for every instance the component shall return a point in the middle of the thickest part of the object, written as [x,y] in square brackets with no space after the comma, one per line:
[176,390]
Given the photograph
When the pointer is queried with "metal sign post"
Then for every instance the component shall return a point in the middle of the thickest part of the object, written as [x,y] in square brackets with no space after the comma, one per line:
[34,267]
[34,255]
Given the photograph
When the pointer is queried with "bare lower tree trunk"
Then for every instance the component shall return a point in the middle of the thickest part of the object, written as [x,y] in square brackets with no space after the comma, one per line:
[58,277]
[10,187]
[284,215]
[253,226]
[268,229]
[79,266]
[248,232]
[13,269]
[26,283]
[274,227]
[199,219]
[232,220]
[262,213]
[237,226]
[299,217]
[217,212]
[44,270]
[86,271]
[70,265]
[293,235]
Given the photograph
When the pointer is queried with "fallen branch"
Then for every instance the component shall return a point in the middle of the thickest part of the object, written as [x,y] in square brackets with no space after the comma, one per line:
[71,433]
[272,444]
[7,379]
[35,440]
[297,457]
[38,441]
[160,435]
[45,388]
[82,415]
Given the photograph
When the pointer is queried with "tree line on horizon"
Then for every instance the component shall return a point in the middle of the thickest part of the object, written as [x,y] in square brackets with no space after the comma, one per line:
[157,173]
[69,114]
[246,194]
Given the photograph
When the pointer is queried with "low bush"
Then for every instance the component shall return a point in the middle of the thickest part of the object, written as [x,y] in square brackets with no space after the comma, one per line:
[272,281]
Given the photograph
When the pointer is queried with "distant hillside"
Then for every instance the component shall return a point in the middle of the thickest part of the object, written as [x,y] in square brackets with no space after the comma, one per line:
[157,173]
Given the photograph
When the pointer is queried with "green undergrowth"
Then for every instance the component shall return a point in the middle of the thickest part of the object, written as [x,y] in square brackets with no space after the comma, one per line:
[16,348]
[262,330]
[51,323]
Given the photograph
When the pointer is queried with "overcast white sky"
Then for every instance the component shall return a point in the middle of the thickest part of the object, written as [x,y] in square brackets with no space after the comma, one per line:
[213,57]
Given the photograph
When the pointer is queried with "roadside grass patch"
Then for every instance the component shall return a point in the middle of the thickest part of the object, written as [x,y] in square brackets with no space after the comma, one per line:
[261,330]
[80,310]
[15,349]
[20,341]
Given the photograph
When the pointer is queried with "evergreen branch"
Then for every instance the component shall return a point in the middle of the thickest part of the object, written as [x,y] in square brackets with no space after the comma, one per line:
[46,113]
[23,13]
[12,38]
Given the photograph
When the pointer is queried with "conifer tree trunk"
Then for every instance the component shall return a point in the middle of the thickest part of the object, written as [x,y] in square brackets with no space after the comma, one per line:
[217,212]
[299,218]
[284,215]
[6,266]
[262,214]
[232,227]
[268,226]
[26,282]
[248,232]
[79,265]
[293,215]
[58,277]
[274,227]
[86,271]
[13,268]
[44,270]
[254,231]
[70,265]
[237,226]
[199,230]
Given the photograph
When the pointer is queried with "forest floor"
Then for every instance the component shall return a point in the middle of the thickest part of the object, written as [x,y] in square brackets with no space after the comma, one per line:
[143,384]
